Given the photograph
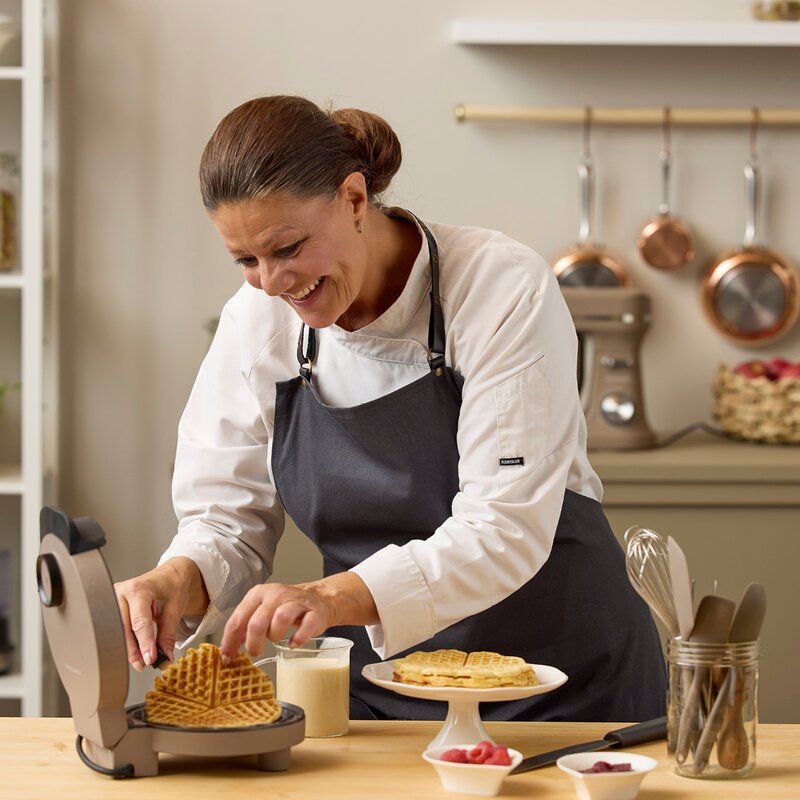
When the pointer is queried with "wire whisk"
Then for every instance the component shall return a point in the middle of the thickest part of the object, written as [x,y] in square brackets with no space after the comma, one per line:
[647,564]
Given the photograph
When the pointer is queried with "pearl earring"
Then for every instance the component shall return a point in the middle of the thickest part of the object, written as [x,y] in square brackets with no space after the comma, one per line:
[359,227]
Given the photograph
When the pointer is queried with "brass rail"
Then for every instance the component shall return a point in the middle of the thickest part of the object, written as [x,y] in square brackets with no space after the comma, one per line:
[629,116]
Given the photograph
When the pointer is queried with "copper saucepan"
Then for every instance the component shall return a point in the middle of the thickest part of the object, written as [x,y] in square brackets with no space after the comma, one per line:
[750,294]
[587,263]
[665,241]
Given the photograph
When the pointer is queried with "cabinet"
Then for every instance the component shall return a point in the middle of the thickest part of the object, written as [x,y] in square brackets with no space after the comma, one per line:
[28,342]
[735,510]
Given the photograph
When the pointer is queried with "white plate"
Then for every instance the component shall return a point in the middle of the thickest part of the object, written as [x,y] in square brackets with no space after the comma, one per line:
[548,678]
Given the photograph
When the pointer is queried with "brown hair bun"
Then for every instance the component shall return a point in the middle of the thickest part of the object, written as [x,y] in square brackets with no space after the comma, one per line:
[286,145]
[377,145]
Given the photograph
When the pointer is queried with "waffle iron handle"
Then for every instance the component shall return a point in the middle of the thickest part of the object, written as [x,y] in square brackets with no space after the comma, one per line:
[78,535]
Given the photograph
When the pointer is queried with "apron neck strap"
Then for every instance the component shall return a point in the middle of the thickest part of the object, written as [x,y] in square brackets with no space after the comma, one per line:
[306,356]
[436,338]
[436,334]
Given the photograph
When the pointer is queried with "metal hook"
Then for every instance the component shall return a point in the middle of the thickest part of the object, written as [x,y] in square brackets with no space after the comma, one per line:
[587,134]
[667,131]
[753,134]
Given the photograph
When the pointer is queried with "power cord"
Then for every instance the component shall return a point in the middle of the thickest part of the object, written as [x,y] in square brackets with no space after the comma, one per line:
[695,426]
[120,772]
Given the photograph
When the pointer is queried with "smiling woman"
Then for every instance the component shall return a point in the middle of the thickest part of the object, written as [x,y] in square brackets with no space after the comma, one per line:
[291,189]
[406,393]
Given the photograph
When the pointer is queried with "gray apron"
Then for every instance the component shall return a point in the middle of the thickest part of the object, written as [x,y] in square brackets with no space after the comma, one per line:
[355,480]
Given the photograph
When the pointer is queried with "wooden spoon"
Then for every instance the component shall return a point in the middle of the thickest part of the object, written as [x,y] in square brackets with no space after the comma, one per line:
[733,747]
[712,625]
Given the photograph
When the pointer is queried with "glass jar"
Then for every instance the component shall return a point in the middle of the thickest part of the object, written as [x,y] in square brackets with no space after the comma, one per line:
[712,708]
[776,9]
[9,192]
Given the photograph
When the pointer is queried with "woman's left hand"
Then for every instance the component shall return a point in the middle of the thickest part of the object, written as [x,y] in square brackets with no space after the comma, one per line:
[269,610]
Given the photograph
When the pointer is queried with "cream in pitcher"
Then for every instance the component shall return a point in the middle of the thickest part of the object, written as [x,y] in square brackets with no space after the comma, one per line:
[316,677]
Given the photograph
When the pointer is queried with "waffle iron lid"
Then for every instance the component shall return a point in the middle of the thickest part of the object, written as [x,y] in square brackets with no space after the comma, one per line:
[81,616]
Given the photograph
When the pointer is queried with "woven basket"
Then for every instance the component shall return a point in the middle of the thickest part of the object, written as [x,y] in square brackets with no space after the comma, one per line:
[757,409]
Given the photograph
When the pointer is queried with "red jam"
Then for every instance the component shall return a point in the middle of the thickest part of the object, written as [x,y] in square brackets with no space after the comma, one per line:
[604,766]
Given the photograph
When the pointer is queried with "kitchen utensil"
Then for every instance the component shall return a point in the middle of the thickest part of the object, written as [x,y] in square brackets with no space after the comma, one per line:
[711,625]
[484,780]
[588,263]
[681,587]
[750,294]
[732,742]
[629,736]
[85,633]
[665,241]
[647,565]
[463,721]
[682,597]
[610,324]
[623,785]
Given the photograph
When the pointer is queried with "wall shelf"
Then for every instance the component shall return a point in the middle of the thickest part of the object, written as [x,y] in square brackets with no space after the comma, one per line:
[11,479]
[11,280]
[11,687]
[691,33]
[12,73]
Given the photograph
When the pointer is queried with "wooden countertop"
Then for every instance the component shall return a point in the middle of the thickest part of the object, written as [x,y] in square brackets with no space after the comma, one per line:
[376,760]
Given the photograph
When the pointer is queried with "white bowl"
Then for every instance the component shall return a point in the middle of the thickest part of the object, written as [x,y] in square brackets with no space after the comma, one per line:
[480,779]
[606,785]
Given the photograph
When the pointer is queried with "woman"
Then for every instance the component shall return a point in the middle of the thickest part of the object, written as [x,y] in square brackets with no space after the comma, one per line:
[407,394]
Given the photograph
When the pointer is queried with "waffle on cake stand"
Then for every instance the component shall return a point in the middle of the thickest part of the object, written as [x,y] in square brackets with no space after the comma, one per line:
[463,722]
[85,633]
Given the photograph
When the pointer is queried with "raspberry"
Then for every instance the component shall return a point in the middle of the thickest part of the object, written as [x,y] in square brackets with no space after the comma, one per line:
[480,752]
[456,755]
[500,757]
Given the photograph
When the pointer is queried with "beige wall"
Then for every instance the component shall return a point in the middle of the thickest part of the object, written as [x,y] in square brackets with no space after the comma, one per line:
[145,81]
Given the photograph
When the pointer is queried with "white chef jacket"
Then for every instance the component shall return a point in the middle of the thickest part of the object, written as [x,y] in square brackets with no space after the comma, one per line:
[508,333]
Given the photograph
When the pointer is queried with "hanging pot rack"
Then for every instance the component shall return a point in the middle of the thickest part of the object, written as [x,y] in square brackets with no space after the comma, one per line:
[730,117]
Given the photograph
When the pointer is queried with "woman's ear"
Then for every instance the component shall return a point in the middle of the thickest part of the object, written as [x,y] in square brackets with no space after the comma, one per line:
[353,191]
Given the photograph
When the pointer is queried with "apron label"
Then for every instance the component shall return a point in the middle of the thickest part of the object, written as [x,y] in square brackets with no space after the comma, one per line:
[512,462]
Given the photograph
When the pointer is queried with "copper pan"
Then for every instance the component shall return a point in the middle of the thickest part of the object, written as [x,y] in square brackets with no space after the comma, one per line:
[750,294]
[587,263]
[665,242]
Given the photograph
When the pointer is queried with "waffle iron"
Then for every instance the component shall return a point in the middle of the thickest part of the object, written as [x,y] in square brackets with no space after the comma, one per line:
[84,630]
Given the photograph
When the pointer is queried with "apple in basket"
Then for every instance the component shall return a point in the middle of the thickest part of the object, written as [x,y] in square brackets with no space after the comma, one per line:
[791,371]
[776,366]
[754,369]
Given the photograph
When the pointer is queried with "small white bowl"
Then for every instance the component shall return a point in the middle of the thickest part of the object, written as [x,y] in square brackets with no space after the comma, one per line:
[480,779]
[606,785]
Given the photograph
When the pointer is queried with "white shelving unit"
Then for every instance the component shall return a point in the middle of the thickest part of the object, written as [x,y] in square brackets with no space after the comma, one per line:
[691,33]
[34,287]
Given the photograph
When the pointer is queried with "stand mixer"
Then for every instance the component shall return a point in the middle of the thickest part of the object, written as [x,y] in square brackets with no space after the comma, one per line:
[84,630]
[611,323]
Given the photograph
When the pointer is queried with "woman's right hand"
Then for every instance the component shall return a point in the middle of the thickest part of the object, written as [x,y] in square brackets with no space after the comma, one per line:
[157,600]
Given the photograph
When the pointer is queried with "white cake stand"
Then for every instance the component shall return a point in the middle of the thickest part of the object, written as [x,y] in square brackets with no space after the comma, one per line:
[463,723]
